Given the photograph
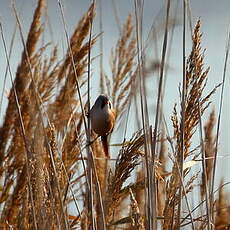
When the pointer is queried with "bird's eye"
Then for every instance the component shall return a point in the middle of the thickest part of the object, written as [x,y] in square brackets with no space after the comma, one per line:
[110,105]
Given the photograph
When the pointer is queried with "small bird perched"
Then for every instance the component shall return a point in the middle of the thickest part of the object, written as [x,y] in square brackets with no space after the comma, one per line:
[102,118]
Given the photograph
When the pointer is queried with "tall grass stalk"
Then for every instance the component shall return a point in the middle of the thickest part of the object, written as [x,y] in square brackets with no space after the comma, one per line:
[219,121]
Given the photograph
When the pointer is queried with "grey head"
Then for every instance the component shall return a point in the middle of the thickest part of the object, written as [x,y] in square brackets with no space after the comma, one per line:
[101,101]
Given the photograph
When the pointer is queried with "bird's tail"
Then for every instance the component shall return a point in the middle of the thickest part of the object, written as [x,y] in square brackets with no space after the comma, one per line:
[105,145]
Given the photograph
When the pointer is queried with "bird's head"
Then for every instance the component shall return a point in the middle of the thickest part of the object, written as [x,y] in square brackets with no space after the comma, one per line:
[103,102]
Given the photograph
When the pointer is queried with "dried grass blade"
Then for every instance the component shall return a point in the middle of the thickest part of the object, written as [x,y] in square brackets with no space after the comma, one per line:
[219,121]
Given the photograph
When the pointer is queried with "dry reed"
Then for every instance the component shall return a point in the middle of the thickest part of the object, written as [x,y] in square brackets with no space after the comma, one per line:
[43,170]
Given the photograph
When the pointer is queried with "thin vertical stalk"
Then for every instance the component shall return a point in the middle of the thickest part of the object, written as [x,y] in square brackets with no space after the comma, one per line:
[102,86]
[207,203]
[182,182]
[182,125]
[89,161]
[148,200]
[218,125]
[7,67]
[160,85]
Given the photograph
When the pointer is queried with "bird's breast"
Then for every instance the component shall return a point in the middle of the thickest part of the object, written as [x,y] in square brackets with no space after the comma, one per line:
[102,122]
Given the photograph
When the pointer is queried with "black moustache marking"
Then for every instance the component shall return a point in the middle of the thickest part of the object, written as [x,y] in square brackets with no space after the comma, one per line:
[104,102]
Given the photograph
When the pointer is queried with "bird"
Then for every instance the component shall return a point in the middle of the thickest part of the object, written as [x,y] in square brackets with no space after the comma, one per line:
[102,117]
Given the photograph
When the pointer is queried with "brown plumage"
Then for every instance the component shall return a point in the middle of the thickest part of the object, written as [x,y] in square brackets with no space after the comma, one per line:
[102,120]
